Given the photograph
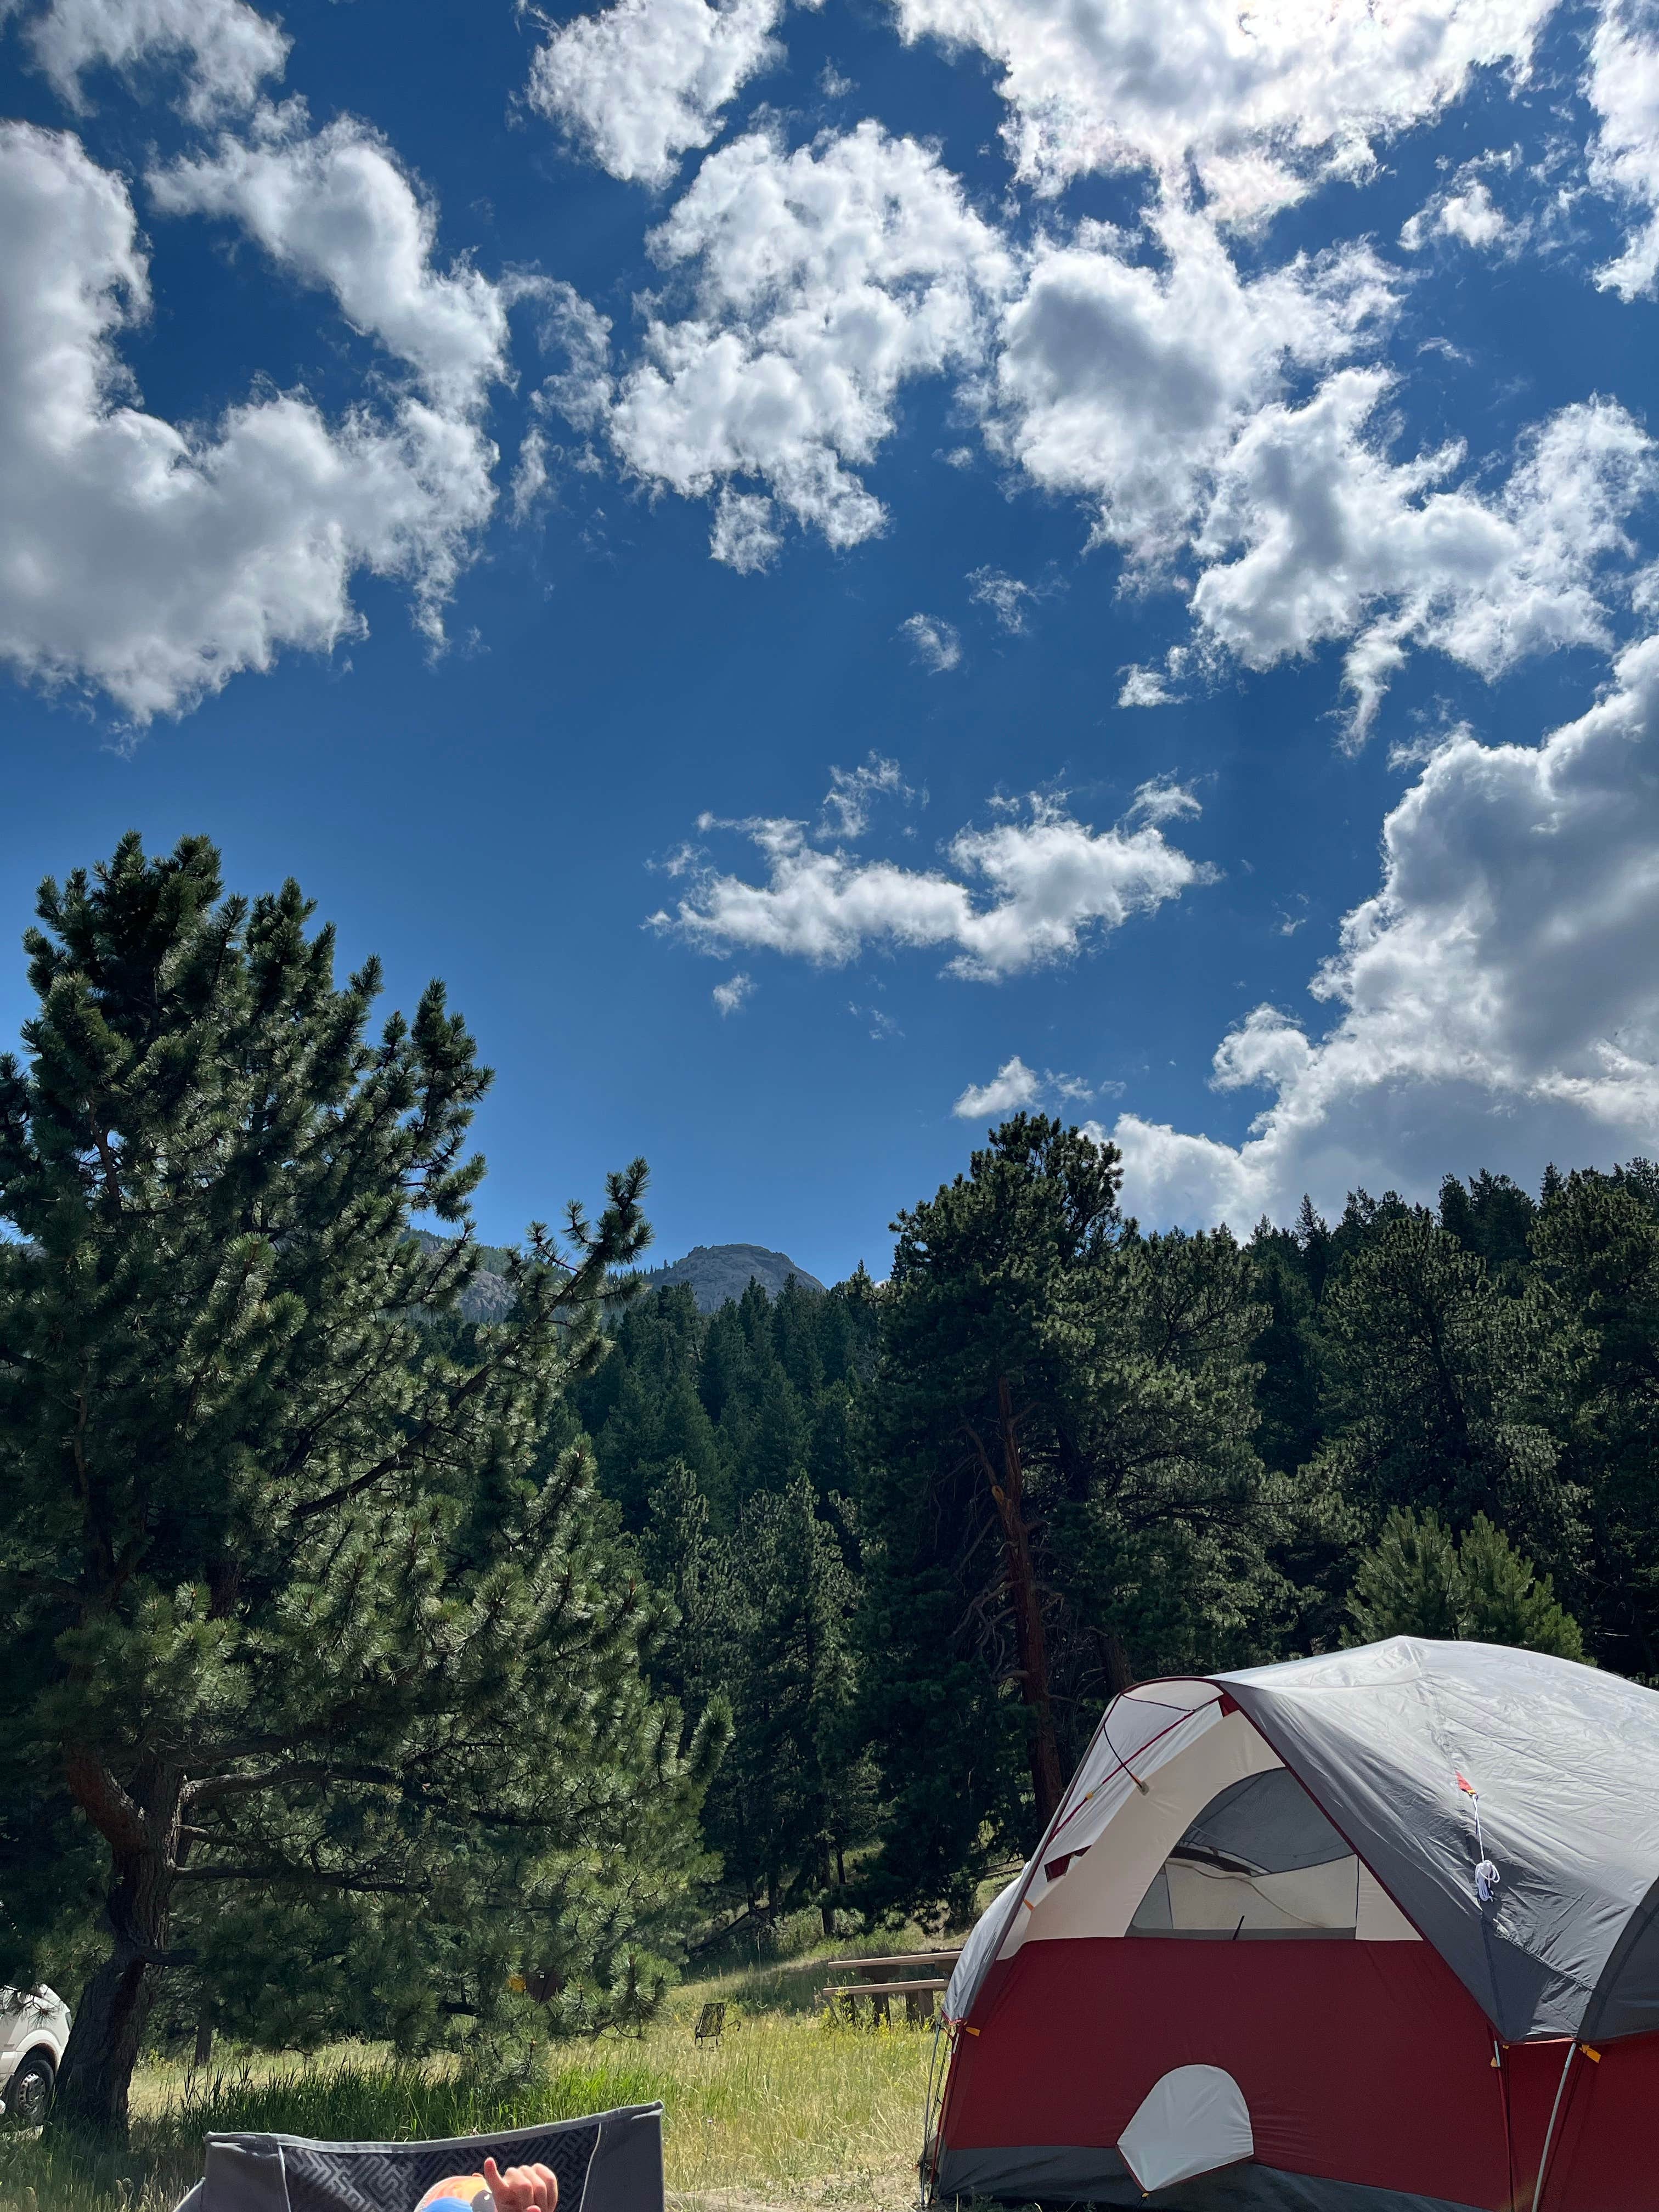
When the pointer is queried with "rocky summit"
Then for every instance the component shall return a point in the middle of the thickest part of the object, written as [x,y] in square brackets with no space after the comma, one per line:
[719,1272]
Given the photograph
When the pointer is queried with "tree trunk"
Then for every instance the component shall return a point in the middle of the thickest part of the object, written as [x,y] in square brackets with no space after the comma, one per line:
[1114,1661]
[1030,1640]
[103,2047]
[96,2076]
[204,2043]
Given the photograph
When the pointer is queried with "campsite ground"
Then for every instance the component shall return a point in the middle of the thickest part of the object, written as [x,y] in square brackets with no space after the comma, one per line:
[790,2112]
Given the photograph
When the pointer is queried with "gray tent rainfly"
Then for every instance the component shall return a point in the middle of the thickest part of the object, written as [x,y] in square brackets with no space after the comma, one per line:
[609,2162]
[1327,1839]
[1568,1765]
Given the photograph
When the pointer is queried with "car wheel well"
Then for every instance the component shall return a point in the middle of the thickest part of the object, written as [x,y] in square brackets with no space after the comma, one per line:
[41,2060]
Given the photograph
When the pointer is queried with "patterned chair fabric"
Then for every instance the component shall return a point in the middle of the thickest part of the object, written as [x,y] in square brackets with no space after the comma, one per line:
[612,2162]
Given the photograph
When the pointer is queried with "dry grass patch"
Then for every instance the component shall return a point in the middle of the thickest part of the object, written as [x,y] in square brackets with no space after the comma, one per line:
[790,2109]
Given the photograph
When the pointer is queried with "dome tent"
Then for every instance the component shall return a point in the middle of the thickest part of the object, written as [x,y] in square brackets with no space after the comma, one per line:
[1374,1929]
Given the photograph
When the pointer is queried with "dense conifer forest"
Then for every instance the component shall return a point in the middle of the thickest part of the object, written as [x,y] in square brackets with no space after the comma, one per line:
[915,1535]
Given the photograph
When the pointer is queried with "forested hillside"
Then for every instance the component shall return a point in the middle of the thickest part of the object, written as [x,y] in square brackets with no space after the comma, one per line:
[916,1534]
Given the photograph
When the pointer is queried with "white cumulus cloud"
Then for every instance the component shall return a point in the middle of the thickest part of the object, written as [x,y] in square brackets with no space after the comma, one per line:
[745,535]
[1500,1001]
[818,283]
[1144,686]
[150,562]
[1315,534]
[1015,1085]
[640,83]
[1259,100]
[1162,798]
[1012,1086]
[1020,895]
[1467,213]
[337,209]
[854,791]
[1622,85]
[224,49]
[1125,380]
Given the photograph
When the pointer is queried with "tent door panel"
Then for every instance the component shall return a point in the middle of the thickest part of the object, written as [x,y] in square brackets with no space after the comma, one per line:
[1191,2121]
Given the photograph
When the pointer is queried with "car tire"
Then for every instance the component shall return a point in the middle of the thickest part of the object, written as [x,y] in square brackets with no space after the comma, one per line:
[28,2093]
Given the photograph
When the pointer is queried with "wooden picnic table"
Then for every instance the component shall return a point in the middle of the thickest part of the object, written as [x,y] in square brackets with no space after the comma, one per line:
[913,1988]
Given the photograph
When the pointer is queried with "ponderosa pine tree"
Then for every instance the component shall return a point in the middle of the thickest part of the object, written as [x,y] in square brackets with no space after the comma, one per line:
[299,1623]
[968,1390]
[1062,1494]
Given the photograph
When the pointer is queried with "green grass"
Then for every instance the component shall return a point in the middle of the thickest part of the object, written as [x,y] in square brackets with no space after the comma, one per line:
[792,2110]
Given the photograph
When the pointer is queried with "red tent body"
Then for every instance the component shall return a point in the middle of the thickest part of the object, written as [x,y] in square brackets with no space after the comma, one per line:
[1201,1992]
[1364,2064]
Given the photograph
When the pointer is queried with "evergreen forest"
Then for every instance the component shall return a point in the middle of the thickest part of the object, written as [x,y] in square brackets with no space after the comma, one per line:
[916,1534]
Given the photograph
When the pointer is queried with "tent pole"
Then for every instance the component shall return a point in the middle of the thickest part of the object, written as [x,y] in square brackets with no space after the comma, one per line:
[1508,2132]
[1549,2132]
[927,2164]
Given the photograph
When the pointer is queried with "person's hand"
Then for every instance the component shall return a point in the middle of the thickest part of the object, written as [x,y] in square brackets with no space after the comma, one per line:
[523,2188]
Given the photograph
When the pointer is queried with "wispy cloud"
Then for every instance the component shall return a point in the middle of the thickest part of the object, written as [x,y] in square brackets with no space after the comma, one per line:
[1005,596]
[730,995]
[933,641]
[847,803]
[1163,800]
[1144,686]
[882,1026]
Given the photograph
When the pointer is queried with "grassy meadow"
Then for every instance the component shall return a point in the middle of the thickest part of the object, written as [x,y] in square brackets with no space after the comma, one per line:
[792,2109]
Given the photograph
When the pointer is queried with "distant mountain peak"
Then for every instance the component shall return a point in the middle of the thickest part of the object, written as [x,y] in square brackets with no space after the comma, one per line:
[716,1273]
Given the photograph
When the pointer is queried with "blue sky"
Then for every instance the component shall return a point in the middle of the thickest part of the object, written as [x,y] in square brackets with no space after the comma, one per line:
[1098,554]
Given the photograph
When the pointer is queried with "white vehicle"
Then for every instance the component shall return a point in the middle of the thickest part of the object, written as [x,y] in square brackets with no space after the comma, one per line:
[35,2026]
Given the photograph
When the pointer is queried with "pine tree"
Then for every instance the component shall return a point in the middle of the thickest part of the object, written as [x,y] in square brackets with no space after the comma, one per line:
[1506,1601]
[308,1640]
[1160,1523]
[1443,1391]
[795,1791]
[1595,1246]
[1421,1580]
[1062,1493]
[1409,1585]
[1492,1217]
[691,1565]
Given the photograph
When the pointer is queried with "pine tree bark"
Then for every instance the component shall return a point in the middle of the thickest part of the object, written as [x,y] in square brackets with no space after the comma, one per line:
[142,1830]
[1031,1642]
[1114,1663]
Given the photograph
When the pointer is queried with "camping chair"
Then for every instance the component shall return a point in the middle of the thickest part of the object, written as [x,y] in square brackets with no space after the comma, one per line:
[612,2162]
[711,2024]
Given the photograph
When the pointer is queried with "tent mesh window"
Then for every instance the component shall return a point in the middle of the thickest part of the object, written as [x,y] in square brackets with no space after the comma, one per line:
[1260,1860]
